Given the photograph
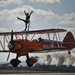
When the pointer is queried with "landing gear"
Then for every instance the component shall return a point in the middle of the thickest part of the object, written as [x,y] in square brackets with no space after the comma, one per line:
[15,62]
[30,61]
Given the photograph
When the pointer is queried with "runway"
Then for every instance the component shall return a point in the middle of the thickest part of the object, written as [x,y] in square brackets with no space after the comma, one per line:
[42,74]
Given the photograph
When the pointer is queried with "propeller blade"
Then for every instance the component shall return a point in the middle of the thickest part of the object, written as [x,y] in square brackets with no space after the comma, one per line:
[8,56]
[11,43]
[12,35]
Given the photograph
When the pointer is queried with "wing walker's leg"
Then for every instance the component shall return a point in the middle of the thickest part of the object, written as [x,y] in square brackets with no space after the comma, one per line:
[28,26]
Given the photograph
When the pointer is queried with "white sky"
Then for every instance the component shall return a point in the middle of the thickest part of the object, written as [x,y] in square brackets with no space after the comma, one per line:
[46,14]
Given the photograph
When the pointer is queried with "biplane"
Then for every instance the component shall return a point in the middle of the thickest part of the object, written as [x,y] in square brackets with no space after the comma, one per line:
[20,44]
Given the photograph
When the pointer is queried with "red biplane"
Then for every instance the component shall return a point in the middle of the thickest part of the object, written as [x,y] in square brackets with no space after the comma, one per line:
[21,45]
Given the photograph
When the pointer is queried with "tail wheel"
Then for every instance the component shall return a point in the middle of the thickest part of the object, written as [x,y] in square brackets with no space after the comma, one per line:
[69,52]
[15,62]
[30,62]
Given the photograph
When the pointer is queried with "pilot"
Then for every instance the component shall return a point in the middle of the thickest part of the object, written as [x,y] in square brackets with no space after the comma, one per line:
[27,21]
[40,39]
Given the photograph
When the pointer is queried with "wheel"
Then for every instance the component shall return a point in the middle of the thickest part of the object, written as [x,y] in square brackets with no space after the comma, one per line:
[30,62]
[69,52]
[15,62]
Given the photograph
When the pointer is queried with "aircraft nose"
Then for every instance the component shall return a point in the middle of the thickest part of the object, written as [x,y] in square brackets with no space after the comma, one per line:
[11,46]
[11,43]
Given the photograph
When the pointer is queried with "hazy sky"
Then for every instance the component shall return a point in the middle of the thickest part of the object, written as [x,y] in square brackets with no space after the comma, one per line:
[46,14]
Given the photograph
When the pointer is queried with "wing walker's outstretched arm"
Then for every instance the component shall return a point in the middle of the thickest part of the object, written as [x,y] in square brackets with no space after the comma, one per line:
[31,13]
[24,12]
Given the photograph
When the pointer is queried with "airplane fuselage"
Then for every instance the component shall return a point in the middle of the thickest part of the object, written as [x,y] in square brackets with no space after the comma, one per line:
[23,47]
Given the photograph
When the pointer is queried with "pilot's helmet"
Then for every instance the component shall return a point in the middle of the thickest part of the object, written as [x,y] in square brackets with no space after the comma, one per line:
[40,39]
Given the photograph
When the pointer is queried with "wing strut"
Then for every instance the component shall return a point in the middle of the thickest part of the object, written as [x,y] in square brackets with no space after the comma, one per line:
[1,45]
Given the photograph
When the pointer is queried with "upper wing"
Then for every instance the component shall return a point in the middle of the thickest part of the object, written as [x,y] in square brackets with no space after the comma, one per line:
[33,32]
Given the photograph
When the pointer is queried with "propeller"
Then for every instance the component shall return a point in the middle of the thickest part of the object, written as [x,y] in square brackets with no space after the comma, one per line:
[8,56]
[11,36]
[10,45]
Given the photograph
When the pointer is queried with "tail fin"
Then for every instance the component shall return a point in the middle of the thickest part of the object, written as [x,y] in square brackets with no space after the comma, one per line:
[69,42]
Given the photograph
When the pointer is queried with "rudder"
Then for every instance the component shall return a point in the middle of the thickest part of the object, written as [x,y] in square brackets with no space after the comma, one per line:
[69,42]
